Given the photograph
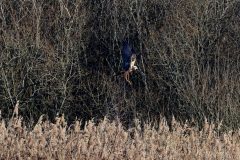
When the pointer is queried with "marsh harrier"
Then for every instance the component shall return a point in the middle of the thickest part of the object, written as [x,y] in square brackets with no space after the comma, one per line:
[129,59]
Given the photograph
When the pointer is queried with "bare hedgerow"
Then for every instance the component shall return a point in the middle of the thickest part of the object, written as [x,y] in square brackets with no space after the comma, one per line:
[65,57]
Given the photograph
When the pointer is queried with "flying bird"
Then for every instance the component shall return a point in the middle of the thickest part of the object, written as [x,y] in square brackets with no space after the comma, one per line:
[129,59]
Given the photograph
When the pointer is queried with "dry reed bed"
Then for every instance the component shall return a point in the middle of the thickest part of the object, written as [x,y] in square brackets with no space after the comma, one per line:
[109,140]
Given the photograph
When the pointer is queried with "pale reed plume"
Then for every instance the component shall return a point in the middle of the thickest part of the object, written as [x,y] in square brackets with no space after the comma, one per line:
[15,111]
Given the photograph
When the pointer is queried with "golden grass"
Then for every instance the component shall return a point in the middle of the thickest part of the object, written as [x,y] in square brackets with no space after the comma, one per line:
[109,140]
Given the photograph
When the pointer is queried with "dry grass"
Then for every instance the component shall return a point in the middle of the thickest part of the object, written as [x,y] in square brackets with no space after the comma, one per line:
[109,140]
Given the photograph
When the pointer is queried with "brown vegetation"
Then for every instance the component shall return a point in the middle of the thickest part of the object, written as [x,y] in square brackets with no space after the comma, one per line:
[63,56]
[109,140]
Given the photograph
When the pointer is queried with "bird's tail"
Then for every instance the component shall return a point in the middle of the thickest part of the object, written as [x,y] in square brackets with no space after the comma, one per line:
[143,76]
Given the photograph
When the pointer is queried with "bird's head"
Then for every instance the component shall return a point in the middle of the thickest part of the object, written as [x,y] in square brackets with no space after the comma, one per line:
[134,68]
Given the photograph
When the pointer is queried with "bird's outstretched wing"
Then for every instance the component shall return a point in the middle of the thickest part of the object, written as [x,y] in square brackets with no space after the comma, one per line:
[127,52]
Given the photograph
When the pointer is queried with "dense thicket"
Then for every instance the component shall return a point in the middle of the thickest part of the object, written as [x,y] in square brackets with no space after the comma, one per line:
[64,56]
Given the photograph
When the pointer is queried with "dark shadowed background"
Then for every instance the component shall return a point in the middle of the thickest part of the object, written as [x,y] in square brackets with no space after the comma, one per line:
[63,57]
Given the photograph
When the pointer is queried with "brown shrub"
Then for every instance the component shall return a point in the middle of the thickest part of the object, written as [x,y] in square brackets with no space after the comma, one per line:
[64,56]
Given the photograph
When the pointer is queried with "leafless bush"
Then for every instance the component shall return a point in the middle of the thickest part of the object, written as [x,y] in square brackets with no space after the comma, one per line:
[64,57]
